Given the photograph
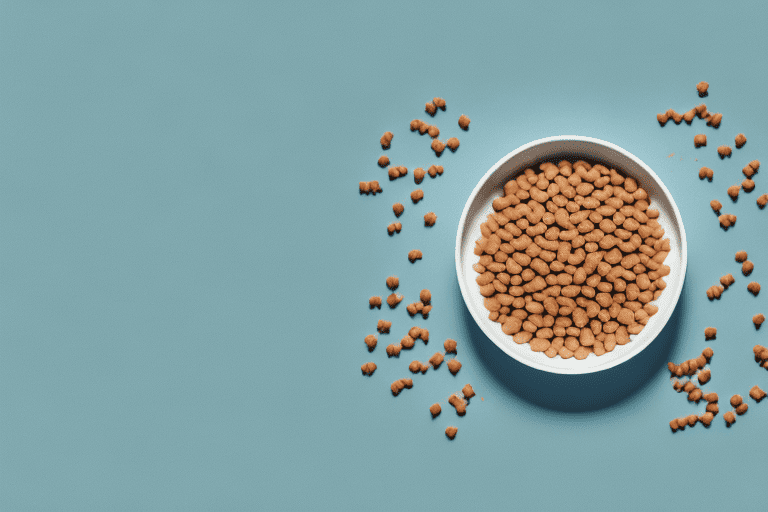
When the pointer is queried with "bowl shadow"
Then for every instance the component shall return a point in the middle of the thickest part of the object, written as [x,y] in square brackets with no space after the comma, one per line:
[577,393]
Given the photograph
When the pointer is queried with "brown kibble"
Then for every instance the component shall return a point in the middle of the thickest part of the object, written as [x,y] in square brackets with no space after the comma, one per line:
[762,201]
[371,341]
[414,367]
[451,432]
[430,219]
[741,139]
[401,384]
[715,120]
[741,256]
[716,205]
[468,392]
[706,419]
[393,300]
[724,151]
[713,408]
[423,128]
[398,209]
[742,409]
[393,350]
[714,292]
[393,228]
[459,404]
[702,87]
[430,108]
[704,376]
[464,122]
[368,368]
[706,172]
[754,288]
[695,395]
[452,143]
[711,398]
[729,418]
[757,394]
[417,195]
[748,185]
[439,103]
[438,147]
[374,302]
[733,191]
[425,296]
[726,221]
[710,333]
[370,187]
[396,171]
[758,320]
[416,124]
[662,118]
[433,131]
[736,400]
[435,410]
[673,425]
[450,346]
[414,255]
[751,168]
[435,170]
[708,353]
[454,366]
[393,282]
[699,140]
[727,280]
[692,419]
[407,342]
[383,326]
[436,360]
[418,175]
[747,267]
[383,161]
[386,140]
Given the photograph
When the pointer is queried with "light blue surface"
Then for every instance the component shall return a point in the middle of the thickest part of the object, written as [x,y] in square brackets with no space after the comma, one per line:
[185,261]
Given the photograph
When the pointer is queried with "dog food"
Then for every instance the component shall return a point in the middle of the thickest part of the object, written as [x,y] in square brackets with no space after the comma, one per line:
[459,404]
[374,302]
[368,368]
[439,103]
[704,376]
[758,320]
[430,219]
[742,409]
[706,419]
[724,151]
[397,171]
[464,122]
[383,161]
[713,408]
[727,221]
[706,172]
[393,300]
[435,410]
[371,341]
[751,168]
[757,394]
[736,400]
[370,187]
[401,384]
[438,147]
[407,342]
[416,367]
[386,140]
[393,282]
[383,326]
[727,280]
[710,398]
[393,228]
[452,143]
[690,367]
[414,255]
[761,353]
[702,87]
[747,267]
[454,366]
[748,185]
[415,308]
[729,418]
[393,350]
[417,195]
[450,346]
[433,131]
[450,432]
[714,121]
[741,256]
[435,170]
[716,205]
[699,140]
[714,292]
[430,108]
[436,360]
[416,124]
[398,208]
[754,288]
[710,333]
[468,392]
[740,140]
[733,191]
[418,175]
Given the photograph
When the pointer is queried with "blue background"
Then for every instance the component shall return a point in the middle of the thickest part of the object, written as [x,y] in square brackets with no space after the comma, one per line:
[185,261]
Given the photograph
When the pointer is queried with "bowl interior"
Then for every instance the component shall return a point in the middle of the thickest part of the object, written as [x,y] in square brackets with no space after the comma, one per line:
[556,149]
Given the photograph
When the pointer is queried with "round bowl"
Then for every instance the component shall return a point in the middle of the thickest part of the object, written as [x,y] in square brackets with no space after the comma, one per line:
[569,147]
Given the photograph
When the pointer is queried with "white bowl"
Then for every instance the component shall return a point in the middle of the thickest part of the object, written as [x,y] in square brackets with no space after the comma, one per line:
[569,147]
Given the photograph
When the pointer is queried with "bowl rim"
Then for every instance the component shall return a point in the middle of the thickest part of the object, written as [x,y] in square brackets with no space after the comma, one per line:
[463,220]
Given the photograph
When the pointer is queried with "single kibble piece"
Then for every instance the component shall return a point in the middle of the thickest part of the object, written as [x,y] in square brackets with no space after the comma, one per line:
[407,342]
[758,320]
[439,103]
[740,140]
[713,408]
[757,394]
[699,140]
[371,341]
[435,409]
[430,219]
[736,400]
[706,418]
[438,146]
[727,280]
[374,302]
[393,282]
[468,392]
[692,419]
[714,292]
[423,128]
[662,118]
[430,108]
[724,151]
[450,346]
[435,170]
[433,131]
[436,360]
[383,161]
[454,366]
[425,296]
[450,432]
[747,267]
[706,172]
[714,120]
[369,187]
[393,350]
[401,384]
[708,353]
[754,288]
[394,299]
[751,168]
[704,376]
[729,418]
[415,124]
[417,195]
[414,332]
[716,205]
[416,367]
[393,228]
[398,208]
[424,335]
[368,368]
[695,395]
[464,122]
[748,185]
[383,326]
[386,140]
[452,143]
[702,87]
[742,409]
[741,256]
[677,118]
[733,191]
[711,398]
[727,220]
[414,255]
[459,404]
[418,175]
[710,333]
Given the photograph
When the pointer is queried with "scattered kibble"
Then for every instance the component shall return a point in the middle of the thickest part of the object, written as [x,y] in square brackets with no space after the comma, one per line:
[714,121]
[468,392]
[464,122]
[702,87]
[733,191]
[459,404]
[393,228]
[436,360]
[383,161]
[416,367]
[435,170]
[439,103]
[727,280]
[383,326]
[398,208]
[757,394]
[430,108]
[748,185]
[706,419]
[430,219]
[710,333]
[368,368]
[450,346]
[704,376]
[417,195]
[393,282]
[747,267]
[729,418]
[374,302]
[724,151]
[714,292]
[401,384]
[393,300]
[742,409]
[397,171]
[751,168]
[454,366]
[370,187]
[418,175]
[727,220]
[706,172]
[452,143]
[371,341]
[393,350]
[699,140]
[754,288]
[762,201]
[758,320]
[433,131]
[716,205]
[386,140]
[435,410]
[741,139]
[451,432]
[741,256]
[438,146]
[414,255]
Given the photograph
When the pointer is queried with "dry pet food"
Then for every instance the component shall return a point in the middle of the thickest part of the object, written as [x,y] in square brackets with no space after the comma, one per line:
[398,208]
[468,392]
[706,172]
[423,128]
[729,418]
[368,368]
[401,384]
[715,120]
[425,296]
[438,147]
[704,376]
[736,400]
[435,170]
[715,205]
[710,333]
[758,320]
[394,299]
[748,185]
[397,171]
[450,346]
[435,410]
[370,187]
[724,151]
[386,140]
[727,220]
[702,87]
[711,398]
[383,161]
[418,175]
[452,143]
[464,122]
[699,140]
[454,366]
[393,350]
[430,219]
[417,195]
[430,108]
[706,419]
[450,432]
[459,404]
[733,191]
[751,168]
[393,228]
[727,280]
[436,360]
[371,341]
[742,409]
[439,103]
[747,267]
[757,394]
[416,124]
[754,288]
[761,353]
[741,139]
[374,302]
[383,326]
[571,248]
[414,255]
[393,282]
[407,342]
[416,367]
[433,131]
[741,256]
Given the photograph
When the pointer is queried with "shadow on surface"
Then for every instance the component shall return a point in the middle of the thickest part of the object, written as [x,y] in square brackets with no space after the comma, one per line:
[577,393]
